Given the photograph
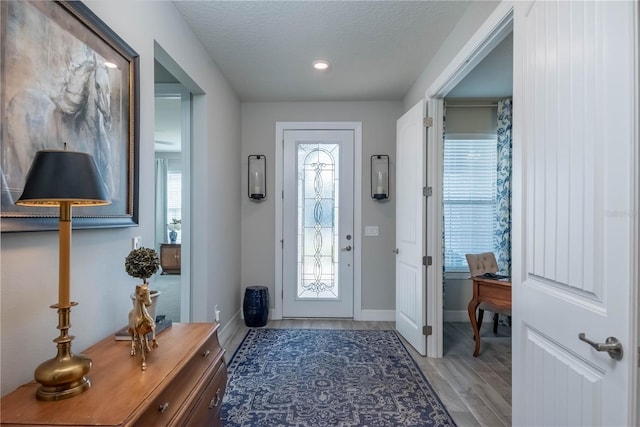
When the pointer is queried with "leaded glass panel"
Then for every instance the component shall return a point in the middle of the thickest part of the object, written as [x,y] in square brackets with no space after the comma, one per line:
[317,260]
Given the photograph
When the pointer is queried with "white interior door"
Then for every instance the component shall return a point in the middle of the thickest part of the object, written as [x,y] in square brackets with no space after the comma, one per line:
[410,225]
[575,229]
[318,238]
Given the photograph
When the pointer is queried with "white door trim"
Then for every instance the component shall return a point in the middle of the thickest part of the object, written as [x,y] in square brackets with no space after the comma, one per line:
[357,207]
[497,26]
[434,227]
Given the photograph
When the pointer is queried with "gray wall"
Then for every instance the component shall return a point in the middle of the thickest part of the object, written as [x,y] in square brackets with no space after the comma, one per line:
[471,120]
[29,261]
[258,219]
[458,291]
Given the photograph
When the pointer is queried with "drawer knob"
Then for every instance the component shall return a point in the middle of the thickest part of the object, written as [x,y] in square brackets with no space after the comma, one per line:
[163,407]
[206,354]
[215,401]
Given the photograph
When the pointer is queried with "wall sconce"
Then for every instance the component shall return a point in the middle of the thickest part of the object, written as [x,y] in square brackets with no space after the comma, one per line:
[63,179]
[257,172]
[380,176]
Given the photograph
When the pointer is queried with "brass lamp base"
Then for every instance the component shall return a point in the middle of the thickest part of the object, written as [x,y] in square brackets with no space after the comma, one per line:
[64,375]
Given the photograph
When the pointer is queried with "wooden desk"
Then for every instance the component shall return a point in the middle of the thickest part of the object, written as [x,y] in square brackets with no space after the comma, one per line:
[494,295]
[183,385]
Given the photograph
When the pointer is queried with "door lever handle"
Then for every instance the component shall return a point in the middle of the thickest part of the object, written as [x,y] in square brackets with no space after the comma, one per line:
[396,251]
[612,346]
[348,248]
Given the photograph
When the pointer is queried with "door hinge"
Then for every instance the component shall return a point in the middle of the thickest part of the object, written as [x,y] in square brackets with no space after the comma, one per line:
[427,330]
[282,243]
[427,191]
[427,122]
[638,357]
[282,194]
[427,260]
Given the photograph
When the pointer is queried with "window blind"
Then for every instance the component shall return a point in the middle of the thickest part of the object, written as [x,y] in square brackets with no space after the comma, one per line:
[469,197]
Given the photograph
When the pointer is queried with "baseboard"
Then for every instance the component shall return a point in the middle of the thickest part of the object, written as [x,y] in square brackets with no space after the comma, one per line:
[365,315]
[378,315]
[455,316]
[374,316]
[230,328]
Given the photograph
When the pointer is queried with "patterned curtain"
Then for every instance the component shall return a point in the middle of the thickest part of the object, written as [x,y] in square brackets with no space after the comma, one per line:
[502,239]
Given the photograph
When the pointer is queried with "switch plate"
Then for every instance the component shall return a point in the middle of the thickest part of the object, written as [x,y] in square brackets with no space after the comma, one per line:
[136,242]
[371,230]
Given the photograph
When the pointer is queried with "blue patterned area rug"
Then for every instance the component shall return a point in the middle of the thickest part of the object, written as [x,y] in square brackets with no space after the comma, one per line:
[316,377]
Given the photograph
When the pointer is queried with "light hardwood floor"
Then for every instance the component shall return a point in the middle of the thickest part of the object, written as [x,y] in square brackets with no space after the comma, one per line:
[475,390]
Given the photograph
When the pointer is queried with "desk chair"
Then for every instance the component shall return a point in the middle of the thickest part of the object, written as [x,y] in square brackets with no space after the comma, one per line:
[480,264]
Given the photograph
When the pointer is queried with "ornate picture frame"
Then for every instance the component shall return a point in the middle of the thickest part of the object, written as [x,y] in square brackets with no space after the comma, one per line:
[66,77]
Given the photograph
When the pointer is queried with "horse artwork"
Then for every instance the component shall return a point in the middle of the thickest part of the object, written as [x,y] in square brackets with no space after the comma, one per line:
[79,114]
[141,324]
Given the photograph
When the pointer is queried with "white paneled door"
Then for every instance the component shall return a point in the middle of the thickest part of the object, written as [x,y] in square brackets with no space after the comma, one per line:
[410,226]
[318,223]
[575,219]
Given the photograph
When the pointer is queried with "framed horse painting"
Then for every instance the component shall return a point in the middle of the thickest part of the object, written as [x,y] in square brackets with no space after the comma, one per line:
[66,77]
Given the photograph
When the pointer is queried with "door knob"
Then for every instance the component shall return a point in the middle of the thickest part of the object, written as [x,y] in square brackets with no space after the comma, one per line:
[348,248]
[612,346]
[396,251]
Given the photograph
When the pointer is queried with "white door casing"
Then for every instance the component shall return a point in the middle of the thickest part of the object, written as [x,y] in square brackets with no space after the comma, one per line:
[575,234]
[434,292]
[318,223]
[410,221]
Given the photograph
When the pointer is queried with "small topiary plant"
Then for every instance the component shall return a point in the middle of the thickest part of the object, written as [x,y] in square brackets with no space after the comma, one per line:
[142,263]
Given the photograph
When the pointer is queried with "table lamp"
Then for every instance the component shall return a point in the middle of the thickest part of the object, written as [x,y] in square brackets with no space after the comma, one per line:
[63,179]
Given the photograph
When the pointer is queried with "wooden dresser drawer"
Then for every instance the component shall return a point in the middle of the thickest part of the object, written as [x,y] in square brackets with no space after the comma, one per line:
[186,370]
[206,411]
[170,401]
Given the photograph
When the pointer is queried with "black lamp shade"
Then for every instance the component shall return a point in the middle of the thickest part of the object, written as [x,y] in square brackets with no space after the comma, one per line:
[63,176]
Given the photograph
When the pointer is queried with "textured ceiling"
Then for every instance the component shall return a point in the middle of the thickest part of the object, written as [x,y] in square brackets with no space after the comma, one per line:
[377,49]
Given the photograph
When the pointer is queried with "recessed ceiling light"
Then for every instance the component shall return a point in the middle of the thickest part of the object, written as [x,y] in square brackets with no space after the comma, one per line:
[321,65]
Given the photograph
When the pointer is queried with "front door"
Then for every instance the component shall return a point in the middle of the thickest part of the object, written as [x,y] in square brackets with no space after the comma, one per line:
[318,223]
[575,220]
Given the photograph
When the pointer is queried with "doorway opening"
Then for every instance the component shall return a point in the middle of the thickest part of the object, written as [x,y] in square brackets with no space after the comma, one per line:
[473,71]
[476,204]
[172,170]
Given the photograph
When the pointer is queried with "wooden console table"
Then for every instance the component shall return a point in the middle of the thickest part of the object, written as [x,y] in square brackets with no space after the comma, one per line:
[494,295]
[183,385]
